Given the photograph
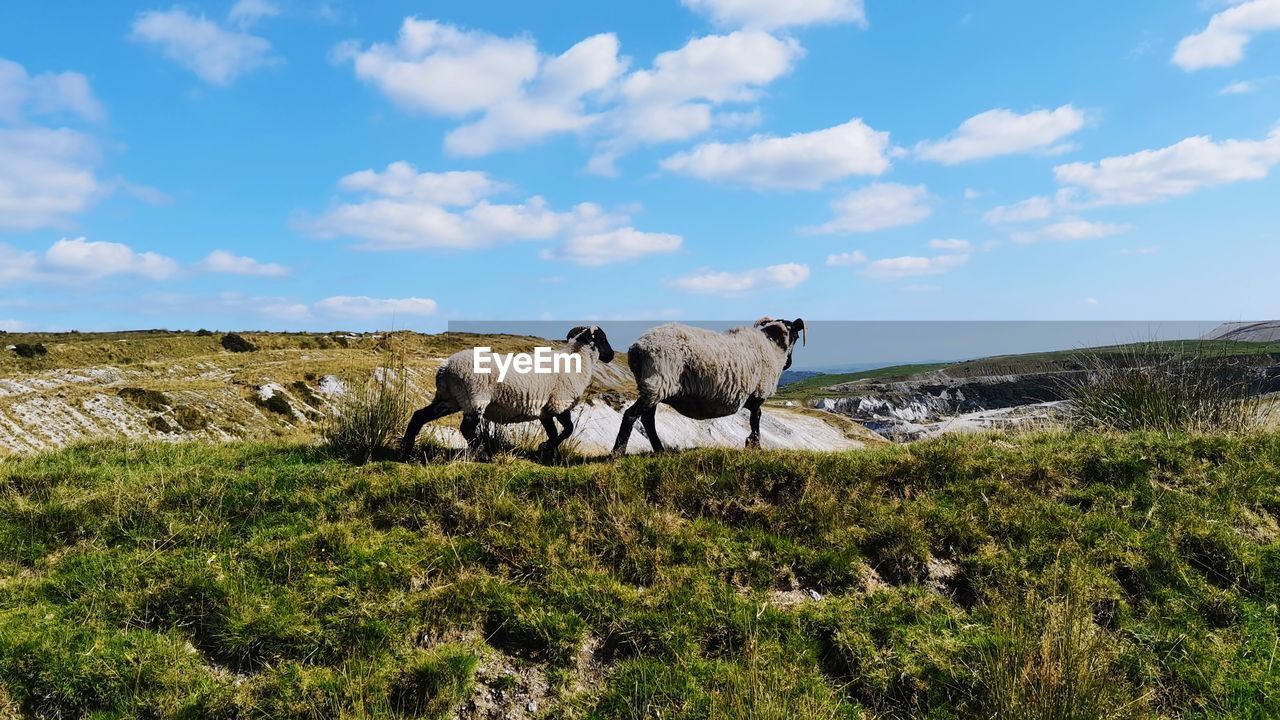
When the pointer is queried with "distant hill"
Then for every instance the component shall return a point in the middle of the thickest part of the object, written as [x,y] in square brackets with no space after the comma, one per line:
[1265,331]
[791,376]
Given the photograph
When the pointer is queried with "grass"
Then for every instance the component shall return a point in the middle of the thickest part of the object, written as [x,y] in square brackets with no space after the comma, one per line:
[1045,362]
[1167,389]
[1094,575]
[371,414]
[815,386]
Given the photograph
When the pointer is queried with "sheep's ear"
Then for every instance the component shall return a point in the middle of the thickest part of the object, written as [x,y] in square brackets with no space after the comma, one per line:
[575,332]
[778,333]
[798,325]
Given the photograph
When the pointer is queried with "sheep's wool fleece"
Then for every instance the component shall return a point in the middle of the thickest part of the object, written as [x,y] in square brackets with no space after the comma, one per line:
[705,374]
[519,397]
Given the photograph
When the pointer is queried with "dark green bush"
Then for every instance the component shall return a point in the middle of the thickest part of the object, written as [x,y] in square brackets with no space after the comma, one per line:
[233,342]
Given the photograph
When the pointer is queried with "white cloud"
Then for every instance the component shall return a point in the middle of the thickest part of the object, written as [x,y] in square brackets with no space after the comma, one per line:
[507,94]
[46,93]
[613,246]
[786,275]
[1180,169]
[12,326]
[554,103]
[714,68]
[402,209]
[856,257]
[79,260]
[1223,41]
[951,244]
[1244,87]
[246,13]
[910,266]
[679,96]
[801,160]
[215,54]
[877,207]
[221,261]
[1073,229]
[1091,301]
[402,181]
[440,69]
[46,177]
[362,307]
[520,95]
[85,259]
[774,14]
[1033,208]
[1003,132]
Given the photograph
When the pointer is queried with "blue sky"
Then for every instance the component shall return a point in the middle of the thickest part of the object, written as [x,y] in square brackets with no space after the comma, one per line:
[275,164]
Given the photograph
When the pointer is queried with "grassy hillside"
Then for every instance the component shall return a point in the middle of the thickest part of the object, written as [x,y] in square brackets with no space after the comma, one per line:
[1054,361]
[1059,576]
[185,385]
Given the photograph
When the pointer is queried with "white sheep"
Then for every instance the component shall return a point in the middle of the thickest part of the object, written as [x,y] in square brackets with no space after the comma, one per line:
[519,397]
[705,374]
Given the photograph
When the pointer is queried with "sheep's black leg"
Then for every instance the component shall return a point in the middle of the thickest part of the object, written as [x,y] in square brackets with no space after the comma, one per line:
[753,404]
[434,411]
[629,418]
[651,427]
[470,431]
[548,447]
[555,439]
[566,421]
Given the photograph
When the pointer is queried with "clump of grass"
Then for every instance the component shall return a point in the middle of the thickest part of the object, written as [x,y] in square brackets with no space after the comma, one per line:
[364,420]
[434,685]
[1049,660]
[1164,388]
[152,400]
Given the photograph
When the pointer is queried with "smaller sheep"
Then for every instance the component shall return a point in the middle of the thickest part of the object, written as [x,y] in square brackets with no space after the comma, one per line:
[520,397]
[705,374]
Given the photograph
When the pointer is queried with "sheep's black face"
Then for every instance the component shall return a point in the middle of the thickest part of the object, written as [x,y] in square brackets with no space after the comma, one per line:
[593,337]
[602,345]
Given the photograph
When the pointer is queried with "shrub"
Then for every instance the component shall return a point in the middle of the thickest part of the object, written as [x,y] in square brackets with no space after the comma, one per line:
[204,333]
[1166,389]
[370,414]
[152,400]
[30,351]
[236,344]
[276,404]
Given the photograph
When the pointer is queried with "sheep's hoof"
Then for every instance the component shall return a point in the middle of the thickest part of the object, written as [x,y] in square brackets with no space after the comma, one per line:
[753,443]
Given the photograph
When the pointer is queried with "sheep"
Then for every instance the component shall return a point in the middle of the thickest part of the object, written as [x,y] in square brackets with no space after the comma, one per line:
[705,374]
[520,397]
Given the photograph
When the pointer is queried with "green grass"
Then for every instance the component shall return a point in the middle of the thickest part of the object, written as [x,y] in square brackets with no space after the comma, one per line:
[1092,576]
[814,386]
[1054,361]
